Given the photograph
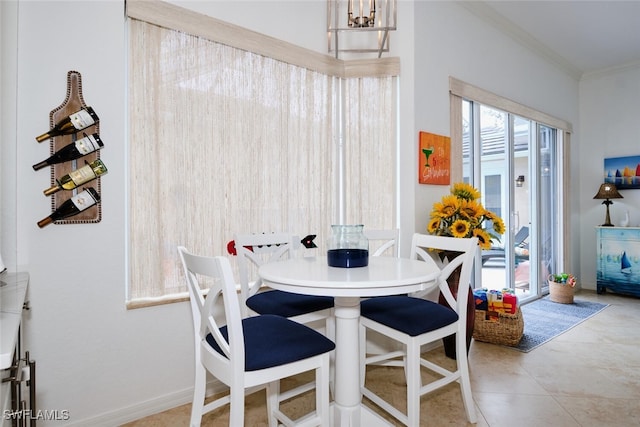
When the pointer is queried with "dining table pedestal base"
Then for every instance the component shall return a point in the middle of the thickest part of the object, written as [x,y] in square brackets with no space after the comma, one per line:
[366,417]
[347,364]
[348,409]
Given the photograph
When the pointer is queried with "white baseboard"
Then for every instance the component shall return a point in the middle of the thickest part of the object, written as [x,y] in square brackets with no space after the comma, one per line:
[159,404]
[144,409]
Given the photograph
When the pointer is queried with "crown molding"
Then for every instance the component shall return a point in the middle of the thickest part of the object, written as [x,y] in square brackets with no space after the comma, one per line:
[167,15]
[610,70]
[499,22]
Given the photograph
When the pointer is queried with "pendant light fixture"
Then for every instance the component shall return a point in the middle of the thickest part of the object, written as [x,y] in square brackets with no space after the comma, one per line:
[360,26]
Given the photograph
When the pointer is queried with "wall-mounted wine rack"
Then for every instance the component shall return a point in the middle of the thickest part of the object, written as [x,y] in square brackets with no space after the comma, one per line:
[73,102]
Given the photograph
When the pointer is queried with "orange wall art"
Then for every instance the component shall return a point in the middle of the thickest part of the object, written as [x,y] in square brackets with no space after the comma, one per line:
[434,159]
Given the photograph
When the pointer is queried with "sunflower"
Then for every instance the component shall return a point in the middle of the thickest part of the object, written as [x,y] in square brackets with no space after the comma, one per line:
[471,209]
[484,239]
[446,208]
[460,228]
[433,225]
[465,191]
[461,214]
[498,225]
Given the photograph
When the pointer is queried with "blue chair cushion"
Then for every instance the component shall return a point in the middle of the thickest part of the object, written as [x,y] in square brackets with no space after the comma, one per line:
[274,341]
[412,316]
[287,304]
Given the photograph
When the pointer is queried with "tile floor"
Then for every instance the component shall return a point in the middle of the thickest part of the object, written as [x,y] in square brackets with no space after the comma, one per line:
[588,376]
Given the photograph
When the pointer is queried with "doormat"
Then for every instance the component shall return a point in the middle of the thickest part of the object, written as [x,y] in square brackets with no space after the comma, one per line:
[545,320]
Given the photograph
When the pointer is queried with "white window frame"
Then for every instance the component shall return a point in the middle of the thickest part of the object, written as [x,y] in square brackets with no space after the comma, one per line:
[460,90]
[353,181]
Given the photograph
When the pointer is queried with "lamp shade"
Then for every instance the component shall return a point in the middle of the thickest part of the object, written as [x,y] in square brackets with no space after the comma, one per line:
[608,191]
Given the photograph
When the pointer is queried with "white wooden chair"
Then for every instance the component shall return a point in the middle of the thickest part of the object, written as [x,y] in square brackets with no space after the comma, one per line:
[414,321]
[383,242]
[253,250]
[250,353]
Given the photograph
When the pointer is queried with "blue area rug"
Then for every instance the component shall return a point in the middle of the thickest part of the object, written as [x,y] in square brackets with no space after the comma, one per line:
[545,320]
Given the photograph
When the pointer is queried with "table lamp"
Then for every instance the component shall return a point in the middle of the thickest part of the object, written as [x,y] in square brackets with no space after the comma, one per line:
[607,191]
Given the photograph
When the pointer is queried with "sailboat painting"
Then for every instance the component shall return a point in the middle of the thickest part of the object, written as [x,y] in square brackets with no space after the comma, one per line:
[625,264]
[619,264]
[624,172]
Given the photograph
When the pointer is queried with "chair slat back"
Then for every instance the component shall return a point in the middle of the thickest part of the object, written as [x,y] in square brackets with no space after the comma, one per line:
[254,250]
[219,308]
[384,241]
[448,253]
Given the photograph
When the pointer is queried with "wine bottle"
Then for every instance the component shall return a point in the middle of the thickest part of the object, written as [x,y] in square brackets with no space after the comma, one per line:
[72,206]
[78,177]
[75,122]
[73,151]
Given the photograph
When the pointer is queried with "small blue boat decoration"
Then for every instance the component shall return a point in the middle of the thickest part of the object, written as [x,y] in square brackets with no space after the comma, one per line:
[625,264]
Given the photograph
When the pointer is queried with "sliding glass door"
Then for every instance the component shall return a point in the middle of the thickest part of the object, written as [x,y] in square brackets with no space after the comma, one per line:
[513,162]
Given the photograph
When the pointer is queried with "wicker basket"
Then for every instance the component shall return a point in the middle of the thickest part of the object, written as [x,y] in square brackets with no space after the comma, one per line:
[560,293]
[506,330]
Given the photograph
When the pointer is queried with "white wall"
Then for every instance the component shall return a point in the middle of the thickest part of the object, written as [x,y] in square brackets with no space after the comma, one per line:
[451,41]
[103,363]
[610,127]
[8,59]
[107,365]
[93,355]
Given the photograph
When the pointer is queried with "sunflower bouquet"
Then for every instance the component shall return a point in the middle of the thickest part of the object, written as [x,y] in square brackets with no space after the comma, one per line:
[461,214]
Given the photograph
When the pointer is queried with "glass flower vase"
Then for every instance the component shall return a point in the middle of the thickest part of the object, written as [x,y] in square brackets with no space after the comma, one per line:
[348,247]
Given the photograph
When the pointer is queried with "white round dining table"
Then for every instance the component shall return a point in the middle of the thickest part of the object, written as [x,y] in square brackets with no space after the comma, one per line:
[383,276]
